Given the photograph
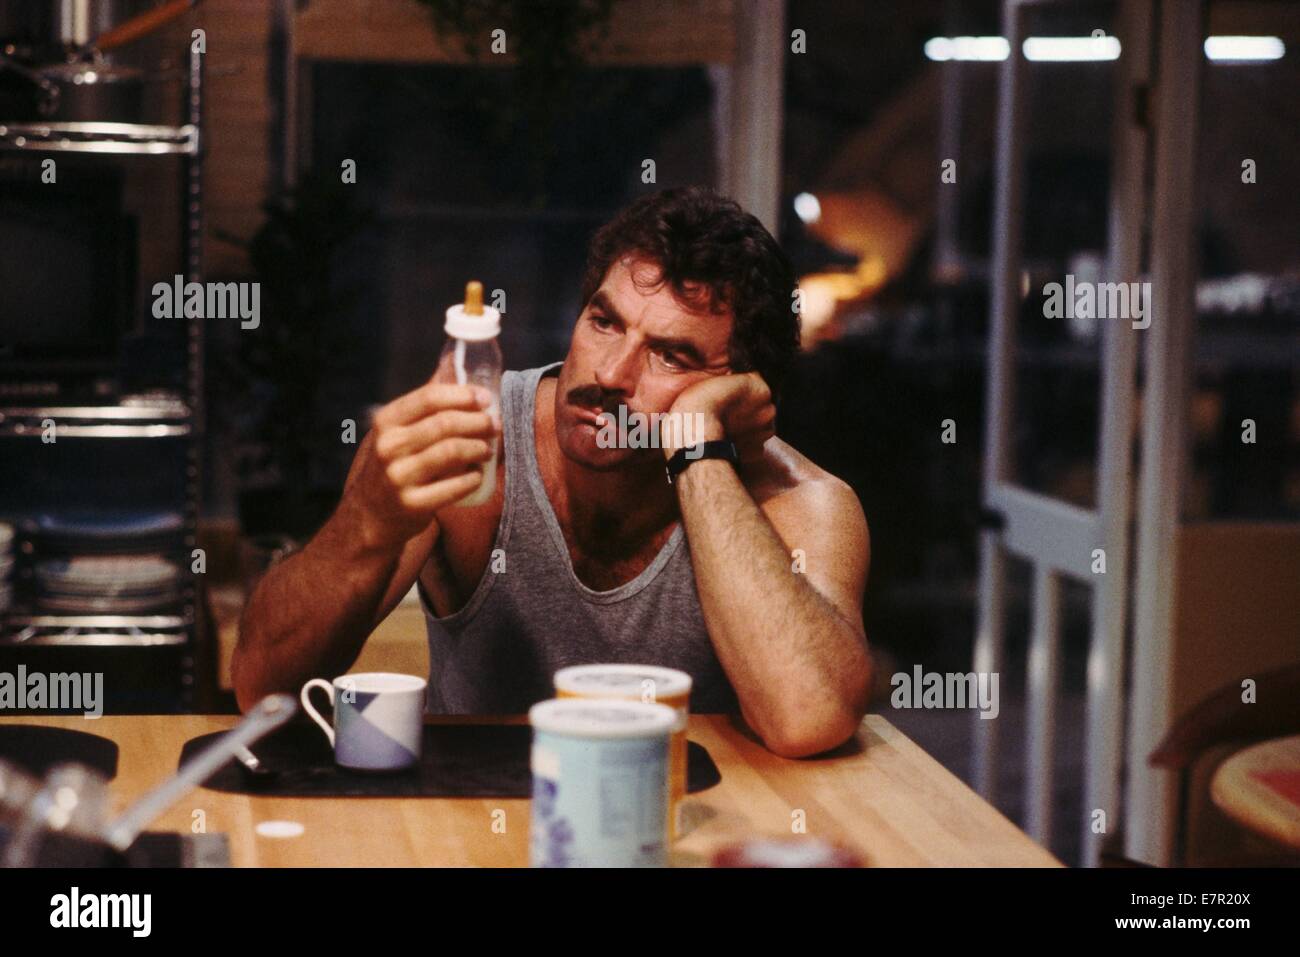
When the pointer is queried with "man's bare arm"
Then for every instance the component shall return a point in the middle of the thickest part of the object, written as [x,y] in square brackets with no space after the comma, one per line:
[791,640]
[310,614]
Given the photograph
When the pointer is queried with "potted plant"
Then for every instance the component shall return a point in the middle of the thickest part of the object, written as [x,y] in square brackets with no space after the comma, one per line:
[287,444]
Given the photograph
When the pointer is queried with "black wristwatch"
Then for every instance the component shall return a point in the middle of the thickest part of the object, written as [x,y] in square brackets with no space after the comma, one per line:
[714,449]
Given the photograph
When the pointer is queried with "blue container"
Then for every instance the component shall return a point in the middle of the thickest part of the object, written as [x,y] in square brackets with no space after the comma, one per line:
[600,783]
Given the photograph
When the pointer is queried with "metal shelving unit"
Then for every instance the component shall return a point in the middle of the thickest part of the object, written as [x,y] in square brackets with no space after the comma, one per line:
[98,421]
[148,418]
[100,631]
[125,139]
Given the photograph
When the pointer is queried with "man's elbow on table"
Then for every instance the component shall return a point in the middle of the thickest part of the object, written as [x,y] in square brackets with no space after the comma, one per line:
[249,678]
[241,682]
[807,731]
[812,734]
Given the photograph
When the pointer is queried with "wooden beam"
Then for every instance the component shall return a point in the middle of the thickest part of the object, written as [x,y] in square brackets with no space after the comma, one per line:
[757,110]
[641,33]
[1151,805]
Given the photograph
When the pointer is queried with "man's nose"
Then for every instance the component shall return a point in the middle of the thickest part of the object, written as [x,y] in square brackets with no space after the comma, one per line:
[619,370]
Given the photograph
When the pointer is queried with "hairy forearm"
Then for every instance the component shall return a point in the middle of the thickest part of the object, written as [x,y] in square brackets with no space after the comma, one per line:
[310,614]
[799,667]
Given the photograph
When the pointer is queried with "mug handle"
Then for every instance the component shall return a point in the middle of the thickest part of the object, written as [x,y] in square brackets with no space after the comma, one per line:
[305,697]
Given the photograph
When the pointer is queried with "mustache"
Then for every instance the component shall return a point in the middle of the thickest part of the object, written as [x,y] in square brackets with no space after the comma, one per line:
[594,397]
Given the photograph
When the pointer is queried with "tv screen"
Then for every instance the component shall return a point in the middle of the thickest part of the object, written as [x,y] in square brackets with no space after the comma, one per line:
[66,269]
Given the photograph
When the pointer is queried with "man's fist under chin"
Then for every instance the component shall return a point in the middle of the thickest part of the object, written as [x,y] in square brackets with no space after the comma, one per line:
[736,406]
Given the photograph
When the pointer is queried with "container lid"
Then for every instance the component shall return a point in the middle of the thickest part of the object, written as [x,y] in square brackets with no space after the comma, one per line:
[587,718]
[622,681]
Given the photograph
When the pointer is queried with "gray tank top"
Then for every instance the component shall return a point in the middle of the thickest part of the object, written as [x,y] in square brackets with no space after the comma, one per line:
[497,655]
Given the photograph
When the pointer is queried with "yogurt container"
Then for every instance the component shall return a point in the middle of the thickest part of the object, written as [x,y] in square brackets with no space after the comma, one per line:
[600,783]
[640,683]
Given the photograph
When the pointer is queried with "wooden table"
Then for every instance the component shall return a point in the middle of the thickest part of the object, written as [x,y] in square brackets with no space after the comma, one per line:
[879,794]
[1259,787]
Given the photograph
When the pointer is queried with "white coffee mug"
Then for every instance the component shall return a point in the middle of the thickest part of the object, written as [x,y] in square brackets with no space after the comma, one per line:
[378,719]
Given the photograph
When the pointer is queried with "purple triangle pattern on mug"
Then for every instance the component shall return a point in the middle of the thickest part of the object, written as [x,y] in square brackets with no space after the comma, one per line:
[366,729]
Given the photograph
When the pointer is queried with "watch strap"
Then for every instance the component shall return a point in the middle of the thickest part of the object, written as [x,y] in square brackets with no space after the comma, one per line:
[712,449]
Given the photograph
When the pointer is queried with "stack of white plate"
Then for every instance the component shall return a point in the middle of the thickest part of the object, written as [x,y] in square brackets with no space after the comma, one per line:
[6,566]
[107,584]
[107,561]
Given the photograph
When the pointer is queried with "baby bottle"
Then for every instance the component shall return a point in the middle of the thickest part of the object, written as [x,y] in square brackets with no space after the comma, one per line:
[472,357]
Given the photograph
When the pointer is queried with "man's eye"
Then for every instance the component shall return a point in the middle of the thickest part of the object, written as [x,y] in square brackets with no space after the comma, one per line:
[671,359]
[601,322]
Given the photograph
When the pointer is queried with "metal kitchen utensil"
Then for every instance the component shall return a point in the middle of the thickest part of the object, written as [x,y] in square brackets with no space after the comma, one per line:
[17,788]
[64,822]
[59,25]
[73,92]
[71,801]
[53,66]
[267,715]
[142,24]
[256,773]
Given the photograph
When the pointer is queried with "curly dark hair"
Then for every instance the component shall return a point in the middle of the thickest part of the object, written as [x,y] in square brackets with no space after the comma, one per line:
[703,240]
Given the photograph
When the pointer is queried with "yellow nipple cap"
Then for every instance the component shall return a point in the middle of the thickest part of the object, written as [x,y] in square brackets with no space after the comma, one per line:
[473,298]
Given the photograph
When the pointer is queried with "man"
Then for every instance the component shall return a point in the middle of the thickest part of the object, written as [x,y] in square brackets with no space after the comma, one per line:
[747,573]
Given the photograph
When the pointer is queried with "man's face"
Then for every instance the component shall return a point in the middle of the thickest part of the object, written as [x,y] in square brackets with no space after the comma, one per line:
[636,346]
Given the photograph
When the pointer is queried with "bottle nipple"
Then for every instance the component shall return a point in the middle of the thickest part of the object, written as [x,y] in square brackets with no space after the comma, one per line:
[474,298]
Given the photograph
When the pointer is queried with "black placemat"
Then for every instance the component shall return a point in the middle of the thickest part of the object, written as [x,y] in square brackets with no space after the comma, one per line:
[458,760]
[38,748]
